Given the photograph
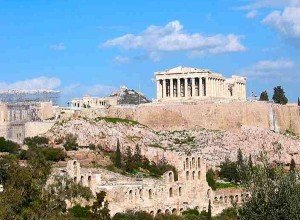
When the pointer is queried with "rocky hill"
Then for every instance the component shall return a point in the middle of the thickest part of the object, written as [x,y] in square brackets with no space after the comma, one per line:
[129,96]
[214,145]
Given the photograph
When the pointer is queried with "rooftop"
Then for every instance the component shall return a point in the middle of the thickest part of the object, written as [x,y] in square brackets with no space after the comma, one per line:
[181,69]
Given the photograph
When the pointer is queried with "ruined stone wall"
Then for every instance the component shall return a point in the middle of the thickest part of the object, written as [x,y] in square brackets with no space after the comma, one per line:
[215,116]
[163,195]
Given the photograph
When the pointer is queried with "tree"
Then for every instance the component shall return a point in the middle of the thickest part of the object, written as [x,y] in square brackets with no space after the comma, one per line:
[70,142]
[129,163]
[210,178]
[29,195]
[118,157]
[229,171]
[8,146]
[209,211]
[250,163]
[292,165]
[240,158]
[137,157]
[272,197]
[279,96]
[298,101]
[100,207]
[264,96]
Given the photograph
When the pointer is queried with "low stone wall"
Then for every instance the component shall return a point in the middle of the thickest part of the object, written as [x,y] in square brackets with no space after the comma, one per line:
[37,128]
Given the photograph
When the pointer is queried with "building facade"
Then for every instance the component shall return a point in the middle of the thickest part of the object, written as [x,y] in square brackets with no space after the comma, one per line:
[185,83]
[94,102]
[14,116]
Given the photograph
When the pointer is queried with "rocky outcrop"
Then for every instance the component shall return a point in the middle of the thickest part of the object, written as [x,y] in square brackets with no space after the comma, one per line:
[129,96]
[213,145]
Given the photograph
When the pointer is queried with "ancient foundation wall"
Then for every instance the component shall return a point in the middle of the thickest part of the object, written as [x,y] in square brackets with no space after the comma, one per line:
[215,116]
[37,128]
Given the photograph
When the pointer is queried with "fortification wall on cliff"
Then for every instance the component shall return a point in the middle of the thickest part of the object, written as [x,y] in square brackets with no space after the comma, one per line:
[208,115]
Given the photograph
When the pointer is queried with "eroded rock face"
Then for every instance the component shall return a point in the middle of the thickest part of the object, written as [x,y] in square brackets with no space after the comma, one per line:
[214,146]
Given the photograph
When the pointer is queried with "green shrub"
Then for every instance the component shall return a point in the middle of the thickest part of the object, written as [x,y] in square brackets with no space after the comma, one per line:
[70,142]
[210,178]
[8,146]
[79,211]
[36,141]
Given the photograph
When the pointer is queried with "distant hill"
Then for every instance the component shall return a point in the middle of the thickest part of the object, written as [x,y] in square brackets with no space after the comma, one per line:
[129,96]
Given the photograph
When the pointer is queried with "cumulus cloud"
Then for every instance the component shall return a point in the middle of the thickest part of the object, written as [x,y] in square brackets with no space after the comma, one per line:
[40,83]
[59,46]
[172,37]
[252,14]
[271,69]
[286,22]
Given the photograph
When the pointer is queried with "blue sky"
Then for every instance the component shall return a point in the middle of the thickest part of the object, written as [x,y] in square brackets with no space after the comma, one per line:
[93,47]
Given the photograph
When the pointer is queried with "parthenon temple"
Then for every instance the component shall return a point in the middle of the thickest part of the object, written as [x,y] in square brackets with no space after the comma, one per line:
[185,83]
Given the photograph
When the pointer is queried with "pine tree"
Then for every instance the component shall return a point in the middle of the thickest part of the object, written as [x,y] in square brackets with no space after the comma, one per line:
[209,211]
[292,165]
[264,96]
[240,159]
[118,159]
[250,163]
[137,157]
[129,164]
[279,96]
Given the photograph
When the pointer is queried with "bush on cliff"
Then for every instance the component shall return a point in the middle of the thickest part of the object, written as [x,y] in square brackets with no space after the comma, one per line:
[70,142]
[36,141]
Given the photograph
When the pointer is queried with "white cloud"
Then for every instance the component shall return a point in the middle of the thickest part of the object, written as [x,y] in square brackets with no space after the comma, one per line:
[121,59]
[78,90]
[286,22]
[259,4]
[274,64]
[271,69]
[59,46]
[40,83]
[252,14]
[172,37]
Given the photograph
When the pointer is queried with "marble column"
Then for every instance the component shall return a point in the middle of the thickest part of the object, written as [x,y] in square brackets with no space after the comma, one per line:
[185,87]
[214,88]
[164,89]
[158,89]
[178,88]
[200,87]
[207,86]
[171,88]
[193,87]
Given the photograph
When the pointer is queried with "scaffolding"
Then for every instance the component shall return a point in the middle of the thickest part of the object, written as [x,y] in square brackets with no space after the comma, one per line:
[16,96]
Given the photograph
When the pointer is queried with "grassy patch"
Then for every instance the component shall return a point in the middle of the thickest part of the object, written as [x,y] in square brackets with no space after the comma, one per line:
[117,120]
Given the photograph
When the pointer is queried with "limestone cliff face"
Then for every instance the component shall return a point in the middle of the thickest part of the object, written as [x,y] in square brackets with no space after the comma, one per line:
[214,146]
[216,116]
